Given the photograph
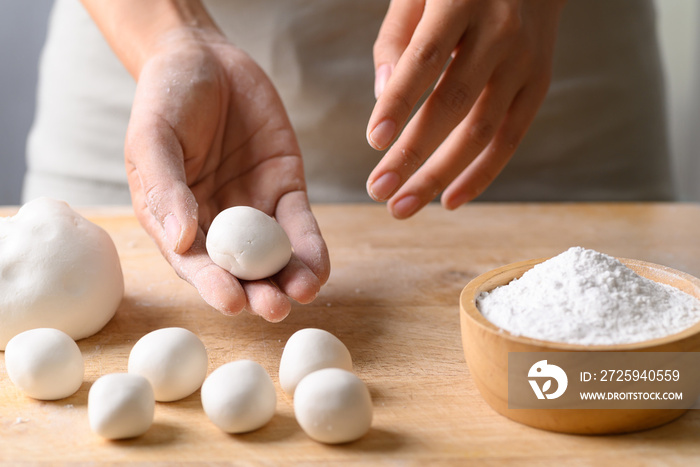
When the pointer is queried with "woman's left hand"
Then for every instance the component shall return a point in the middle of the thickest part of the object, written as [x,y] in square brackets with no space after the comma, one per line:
[492,61]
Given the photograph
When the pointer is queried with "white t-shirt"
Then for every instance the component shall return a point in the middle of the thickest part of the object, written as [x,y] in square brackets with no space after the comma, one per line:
[600,134]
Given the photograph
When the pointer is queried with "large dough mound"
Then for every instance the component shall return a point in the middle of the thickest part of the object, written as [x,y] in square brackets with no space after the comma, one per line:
[57,270]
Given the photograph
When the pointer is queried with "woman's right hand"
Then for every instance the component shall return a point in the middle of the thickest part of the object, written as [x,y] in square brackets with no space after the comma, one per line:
[208,131]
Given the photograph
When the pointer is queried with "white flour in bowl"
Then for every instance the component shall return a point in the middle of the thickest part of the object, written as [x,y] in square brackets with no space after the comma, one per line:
[585,297]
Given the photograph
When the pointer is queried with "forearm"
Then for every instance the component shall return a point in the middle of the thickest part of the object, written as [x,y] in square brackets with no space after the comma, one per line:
[135,29]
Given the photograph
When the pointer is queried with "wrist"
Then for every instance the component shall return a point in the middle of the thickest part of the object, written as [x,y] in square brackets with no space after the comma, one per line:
[137,30]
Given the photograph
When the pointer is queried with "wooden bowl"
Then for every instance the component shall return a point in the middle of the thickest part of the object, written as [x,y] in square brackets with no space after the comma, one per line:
[486,349]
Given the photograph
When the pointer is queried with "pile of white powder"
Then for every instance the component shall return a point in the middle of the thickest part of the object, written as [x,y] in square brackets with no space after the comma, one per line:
[585,297]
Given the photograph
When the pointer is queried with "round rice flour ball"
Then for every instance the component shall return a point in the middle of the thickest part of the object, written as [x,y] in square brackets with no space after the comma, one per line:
[44,363]
[239,396]
[308,350]
[120,406]
[248,243]
[174,360]
[57,270]
[333,406]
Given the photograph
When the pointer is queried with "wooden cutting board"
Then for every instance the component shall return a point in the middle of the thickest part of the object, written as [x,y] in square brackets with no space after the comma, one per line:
[393,299]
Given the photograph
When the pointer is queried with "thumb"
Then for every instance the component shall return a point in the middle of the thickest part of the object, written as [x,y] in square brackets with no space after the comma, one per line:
[156,173]
[396,31]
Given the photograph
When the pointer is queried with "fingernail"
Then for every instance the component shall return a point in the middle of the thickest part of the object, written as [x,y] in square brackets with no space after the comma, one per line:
[406,206]
[384,186]
[382,134]
[456,201]
[172,230]
[380,79]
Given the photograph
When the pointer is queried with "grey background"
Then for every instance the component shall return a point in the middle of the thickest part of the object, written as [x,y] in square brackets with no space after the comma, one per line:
[23,29]
[22,33]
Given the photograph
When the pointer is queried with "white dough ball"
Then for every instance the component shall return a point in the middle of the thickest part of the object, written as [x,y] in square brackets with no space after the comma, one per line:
[57,270]
[121,405]
[333,406]
[308,350]
[174,360]
[248,243]
[239,397]
[44,363]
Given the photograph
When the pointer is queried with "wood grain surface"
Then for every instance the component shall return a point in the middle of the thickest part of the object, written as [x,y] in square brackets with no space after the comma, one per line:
[393,300]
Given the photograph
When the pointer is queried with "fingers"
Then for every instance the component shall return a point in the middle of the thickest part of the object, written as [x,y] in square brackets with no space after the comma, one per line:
[443,113]
[157,177]
[483,171]
[472,116]
[459,149]
[267,301]
[474,154]
[216,286]
[418,67]
[223,291]
[400,21]
[309,267]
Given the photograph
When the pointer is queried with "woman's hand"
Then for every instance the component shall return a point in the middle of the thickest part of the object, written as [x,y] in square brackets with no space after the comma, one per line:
[208,131]
[492,63]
